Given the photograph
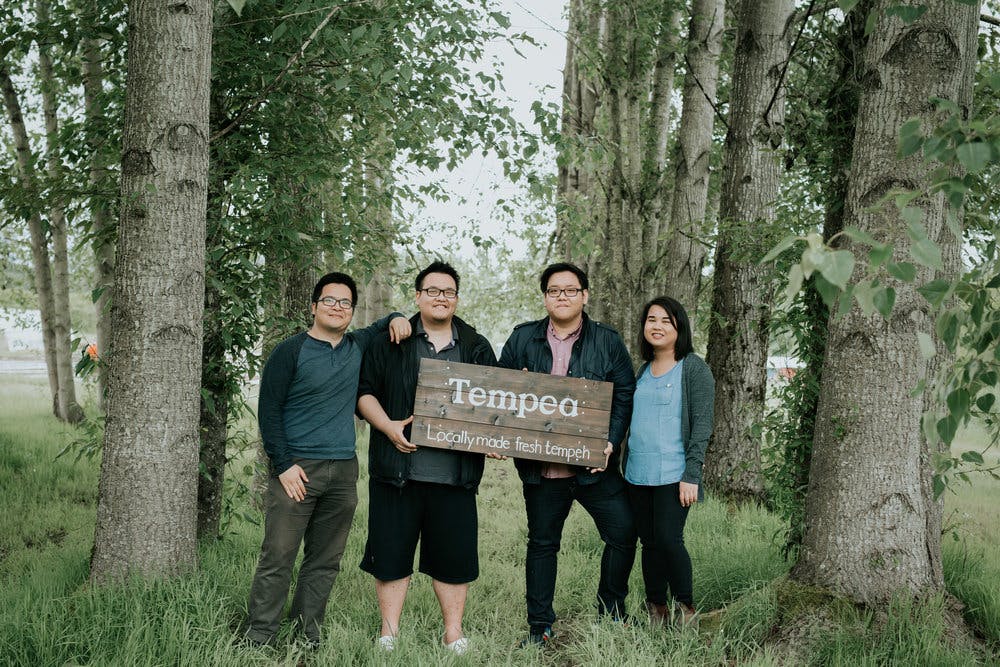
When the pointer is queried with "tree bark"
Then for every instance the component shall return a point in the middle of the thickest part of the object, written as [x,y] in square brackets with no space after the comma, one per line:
[69,409]
[870,526]
[101,224]
[577,188]
[39,241]
[147,500]
[738,332]
[685,246]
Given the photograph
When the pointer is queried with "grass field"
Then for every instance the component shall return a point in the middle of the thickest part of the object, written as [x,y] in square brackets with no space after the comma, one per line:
[49,615]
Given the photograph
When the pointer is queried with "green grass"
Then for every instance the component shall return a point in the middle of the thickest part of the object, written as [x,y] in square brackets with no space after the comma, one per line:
[50,615]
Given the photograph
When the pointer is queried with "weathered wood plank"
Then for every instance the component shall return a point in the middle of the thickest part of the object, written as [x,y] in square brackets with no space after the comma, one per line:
[515,413]
[519,443]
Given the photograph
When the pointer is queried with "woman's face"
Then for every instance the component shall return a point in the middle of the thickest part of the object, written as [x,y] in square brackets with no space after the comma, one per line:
[658,330]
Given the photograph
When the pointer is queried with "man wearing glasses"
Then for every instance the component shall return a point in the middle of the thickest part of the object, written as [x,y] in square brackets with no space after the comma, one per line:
[424,493]
[308,392]
[569,343]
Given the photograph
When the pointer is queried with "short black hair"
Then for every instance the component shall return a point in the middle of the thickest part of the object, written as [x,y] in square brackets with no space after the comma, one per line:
[679,318]
[336,278]
[436,267]
[559,268]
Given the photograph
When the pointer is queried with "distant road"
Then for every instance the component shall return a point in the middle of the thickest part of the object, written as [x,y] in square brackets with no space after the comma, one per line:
[22,367]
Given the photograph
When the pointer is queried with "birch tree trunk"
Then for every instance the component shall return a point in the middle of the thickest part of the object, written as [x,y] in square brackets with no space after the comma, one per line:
[147,501]
[102,226]
[639,76]
[39,241]
[69,409]
[738,332]
[685,246]
[871,529]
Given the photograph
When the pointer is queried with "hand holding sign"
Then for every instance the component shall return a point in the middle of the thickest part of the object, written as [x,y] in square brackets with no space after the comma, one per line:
[394,431]
[607,456]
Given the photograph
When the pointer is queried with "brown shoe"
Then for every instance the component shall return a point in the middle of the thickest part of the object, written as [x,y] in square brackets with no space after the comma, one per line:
[658,613]
[682,616]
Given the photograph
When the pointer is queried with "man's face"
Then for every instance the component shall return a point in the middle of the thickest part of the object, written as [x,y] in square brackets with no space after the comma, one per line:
[437,308]
[561,307]
[334,318]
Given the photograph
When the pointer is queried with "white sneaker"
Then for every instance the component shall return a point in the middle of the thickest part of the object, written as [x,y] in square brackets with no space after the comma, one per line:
[386,642]
[458,647]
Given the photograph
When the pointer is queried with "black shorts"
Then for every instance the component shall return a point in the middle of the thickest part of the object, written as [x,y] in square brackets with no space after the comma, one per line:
[442,517]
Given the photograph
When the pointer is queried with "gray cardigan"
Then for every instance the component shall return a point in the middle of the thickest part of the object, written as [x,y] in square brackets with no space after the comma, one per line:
[697,415]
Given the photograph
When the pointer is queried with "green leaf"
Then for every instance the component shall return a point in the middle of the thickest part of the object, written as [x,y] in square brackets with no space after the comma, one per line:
[860,236]
[237,6]
[927,252]
[985,402]
[910,138]
[279,31]
[946,428]
[927,349]
[502,19]
[974,156]
[794,282]
[908,14]
[914,218]
[935,291]
[902,271]
[939,486]
[864,294]
[871,22]
[958,403]
[972,457]
[919,389]
[827,291]
[782,246]
[838,267]
[947,329]
[847,5]
[884,300]
[879,253]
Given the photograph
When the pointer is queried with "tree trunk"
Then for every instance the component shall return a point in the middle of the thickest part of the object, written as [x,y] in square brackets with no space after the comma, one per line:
[869,521]
[69,409]
[576,188]
[738,332]
[638,92]
[685,245]
[39,241]
[101,224]
[842,103]
[147,500]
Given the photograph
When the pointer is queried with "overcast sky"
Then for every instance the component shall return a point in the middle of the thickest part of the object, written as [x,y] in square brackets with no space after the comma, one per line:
[536,74]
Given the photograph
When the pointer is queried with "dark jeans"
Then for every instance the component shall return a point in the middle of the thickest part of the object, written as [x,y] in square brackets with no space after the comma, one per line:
[323,519]
[548,505]
[660,518]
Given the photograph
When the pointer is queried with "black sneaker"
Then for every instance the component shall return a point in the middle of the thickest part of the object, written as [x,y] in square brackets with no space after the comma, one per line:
[538,638]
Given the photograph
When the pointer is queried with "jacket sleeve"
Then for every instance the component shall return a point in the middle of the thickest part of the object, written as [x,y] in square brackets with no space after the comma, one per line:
[364,337]
[275,381]
[372,372]
[701,413]
[508,353]
[622,376]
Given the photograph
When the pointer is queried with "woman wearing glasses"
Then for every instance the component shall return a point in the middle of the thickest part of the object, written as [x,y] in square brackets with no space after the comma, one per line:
[672,414]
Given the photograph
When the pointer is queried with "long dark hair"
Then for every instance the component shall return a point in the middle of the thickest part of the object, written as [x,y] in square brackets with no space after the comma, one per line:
[678,317]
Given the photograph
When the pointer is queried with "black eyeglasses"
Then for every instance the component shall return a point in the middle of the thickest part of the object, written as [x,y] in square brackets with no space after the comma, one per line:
[554,292]
[434,292]
[330,302]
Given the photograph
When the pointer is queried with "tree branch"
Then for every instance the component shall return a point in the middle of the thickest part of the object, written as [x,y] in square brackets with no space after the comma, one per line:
[271,86]
[992,20]
[788,60]
[715,108]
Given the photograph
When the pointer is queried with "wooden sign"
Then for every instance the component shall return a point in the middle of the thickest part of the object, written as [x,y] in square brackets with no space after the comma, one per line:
[512,413]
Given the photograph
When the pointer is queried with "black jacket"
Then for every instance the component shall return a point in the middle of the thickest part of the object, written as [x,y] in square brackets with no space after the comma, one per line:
[389,373]
[599,354]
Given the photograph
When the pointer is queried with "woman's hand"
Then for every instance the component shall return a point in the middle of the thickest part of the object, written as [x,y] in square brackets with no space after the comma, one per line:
[688,494]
